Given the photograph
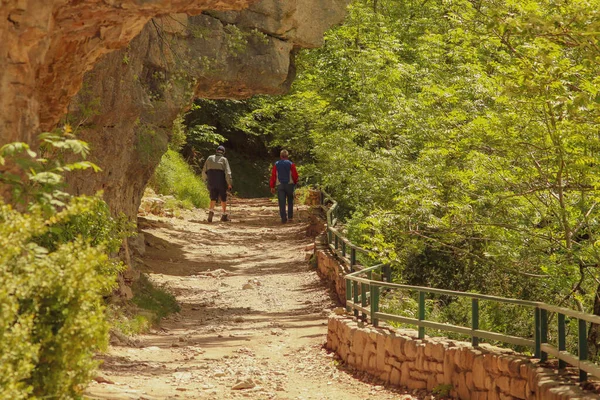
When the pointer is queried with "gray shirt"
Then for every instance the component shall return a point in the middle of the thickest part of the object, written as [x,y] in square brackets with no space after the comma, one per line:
[218,162]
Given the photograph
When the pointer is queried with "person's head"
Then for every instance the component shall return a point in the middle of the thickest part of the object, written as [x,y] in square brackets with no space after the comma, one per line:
[284,154]
[220,150]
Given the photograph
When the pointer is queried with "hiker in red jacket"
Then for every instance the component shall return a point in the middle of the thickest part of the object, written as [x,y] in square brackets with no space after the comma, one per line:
[284,178]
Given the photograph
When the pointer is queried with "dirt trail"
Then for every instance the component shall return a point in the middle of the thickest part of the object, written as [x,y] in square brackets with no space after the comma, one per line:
[253,318]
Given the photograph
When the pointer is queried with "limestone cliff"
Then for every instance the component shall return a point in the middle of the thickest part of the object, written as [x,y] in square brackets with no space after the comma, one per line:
[145,61]
[47,45]
[129,100]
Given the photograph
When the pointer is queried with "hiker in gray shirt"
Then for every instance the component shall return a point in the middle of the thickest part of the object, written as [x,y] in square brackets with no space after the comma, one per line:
[217,174]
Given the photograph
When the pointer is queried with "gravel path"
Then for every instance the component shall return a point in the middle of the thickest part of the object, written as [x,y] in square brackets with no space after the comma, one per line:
[253,318]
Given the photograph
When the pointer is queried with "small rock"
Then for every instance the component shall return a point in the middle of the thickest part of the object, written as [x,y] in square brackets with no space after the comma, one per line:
[241,384]
[247,286]
[102,379]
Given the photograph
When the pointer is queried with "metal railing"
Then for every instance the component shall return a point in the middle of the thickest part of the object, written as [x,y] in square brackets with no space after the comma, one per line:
[364,285]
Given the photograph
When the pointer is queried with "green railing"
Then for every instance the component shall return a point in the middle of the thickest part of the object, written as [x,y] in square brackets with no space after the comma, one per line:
[364,285]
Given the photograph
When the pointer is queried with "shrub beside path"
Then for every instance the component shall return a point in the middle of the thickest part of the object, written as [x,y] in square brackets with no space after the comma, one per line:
[253,316]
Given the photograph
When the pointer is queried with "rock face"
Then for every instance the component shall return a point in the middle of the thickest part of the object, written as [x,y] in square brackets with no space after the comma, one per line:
[126,103]
[47,46]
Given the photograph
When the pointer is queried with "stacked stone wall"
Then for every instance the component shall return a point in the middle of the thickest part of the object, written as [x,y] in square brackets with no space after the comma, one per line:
[399,358]
[330,268]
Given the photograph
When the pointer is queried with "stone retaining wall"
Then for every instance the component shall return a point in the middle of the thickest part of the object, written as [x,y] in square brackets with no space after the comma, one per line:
[330,268]
[397,357]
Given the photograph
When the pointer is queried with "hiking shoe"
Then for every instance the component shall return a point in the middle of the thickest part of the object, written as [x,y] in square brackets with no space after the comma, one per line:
[211,214]
[225,218]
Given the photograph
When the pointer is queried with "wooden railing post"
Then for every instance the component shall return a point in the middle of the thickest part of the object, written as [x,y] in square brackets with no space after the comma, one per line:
[421,314]
[537,334]
[387,273]
[348,294]
[474,321]
[355,296]
[363,299]
[543,333]
[352,258]
[583,348]
[374,290]
[562,339]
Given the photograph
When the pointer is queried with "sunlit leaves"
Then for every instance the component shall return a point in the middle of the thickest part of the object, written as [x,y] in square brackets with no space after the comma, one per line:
[55,268]
[474,132]
[41,177]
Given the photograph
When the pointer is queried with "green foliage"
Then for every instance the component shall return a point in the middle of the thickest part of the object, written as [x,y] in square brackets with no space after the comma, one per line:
[156,300]
[178,137]
[37,180]
[442,390]
[173,176]
[462,157]
[250,173]
[54,271]
[202,134]
[126,321]
[236,40]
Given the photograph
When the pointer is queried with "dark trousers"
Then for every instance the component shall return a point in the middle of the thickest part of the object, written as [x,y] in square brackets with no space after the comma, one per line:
[285,191]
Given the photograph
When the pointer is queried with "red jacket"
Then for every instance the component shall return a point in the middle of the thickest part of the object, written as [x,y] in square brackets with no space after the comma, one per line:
[284,171]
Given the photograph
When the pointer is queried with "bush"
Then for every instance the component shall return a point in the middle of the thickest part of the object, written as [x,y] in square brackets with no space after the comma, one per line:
[52,312]
[175,177]
[54,271]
